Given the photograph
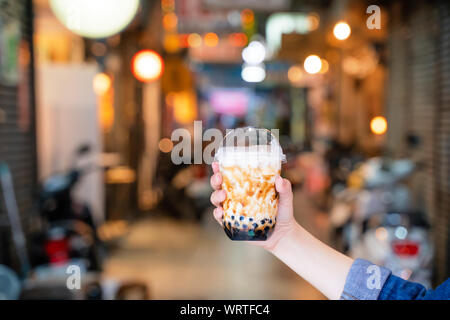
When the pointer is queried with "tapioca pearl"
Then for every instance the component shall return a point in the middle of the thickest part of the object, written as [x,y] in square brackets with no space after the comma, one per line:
[250,219]
[270,221]
[255,224]
[244,226]
[266,229]
[262,221]
[232,217]
[241,218]
[258,232]
[236,224]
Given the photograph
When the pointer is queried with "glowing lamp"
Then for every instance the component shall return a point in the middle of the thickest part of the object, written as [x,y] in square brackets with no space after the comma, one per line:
[253,73]
[312,64]
[95,19]
[101,83]
[342,30]
[378,125]
[147,65]
[255,53]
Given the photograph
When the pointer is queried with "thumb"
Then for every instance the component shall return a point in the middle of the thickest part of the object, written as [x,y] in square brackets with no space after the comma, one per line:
[284,188]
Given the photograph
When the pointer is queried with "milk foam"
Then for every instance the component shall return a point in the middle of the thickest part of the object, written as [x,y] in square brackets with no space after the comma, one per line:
[252,156]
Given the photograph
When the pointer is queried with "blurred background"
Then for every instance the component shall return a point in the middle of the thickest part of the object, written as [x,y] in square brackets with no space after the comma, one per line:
[91,91]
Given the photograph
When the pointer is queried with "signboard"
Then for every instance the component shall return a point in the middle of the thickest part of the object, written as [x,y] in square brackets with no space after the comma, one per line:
[266,5]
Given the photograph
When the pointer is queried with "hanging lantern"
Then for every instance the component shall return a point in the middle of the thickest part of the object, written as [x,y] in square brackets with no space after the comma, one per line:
[95,18]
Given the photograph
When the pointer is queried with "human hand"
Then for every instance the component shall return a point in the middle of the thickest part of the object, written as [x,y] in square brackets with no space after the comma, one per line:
[285,219]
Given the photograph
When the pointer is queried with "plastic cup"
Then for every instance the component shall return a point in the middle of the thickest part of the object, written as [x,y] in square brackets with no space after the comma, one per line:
[249,160]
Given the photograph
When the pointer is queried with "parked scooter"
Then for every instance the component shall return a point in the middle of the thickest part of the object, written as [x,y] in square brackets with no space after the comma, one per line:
[69,229]
[374,219]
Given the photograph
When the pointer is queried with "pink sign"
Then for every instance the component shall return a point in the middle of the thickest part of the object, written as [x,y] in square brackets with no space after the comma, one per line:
[230,101]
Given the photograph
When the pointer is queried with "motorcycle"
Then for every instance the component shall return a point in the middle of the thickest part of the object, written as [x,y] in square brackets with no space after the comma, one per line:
[69,230]
[374,218]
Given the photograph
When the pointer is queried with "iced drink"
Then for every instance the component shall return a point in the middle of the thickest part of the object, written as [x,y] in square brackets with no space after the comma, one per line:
[251,204]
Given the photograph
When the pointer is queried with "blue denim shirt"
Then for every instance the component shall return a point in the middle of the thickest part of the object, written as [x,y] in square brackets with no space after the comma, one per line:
[367,281]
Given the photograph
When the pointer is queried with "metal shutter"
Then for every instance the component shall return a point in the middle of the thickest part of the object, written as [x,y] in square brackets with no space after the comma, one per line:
[442,147]
[418,102]
[17,147]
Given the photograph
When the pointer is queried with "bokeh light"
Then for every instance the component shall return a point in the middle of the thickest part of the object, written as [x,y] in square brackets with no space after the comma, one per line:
[295,74]
[341,30]
[401,232]
[313,21]
[165,145]
[325,66]
[194,40]
[147,65]
[252,73]
[171,42]
[238,39]
[312,64]
[255,53]
[211,39]
[247,17]
[381,234]
[378,125]
[101,83]
[170,21]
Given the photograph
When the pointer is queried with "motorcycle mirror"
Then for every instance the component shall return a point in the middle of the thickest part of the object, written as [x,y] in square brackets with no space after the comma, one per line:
[83,149]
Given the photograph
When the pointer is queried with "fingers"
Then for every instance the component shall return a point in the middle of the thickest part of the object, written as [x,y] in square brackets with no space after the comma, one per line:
[217,197]
[216,181]
[284,188]
[215,167]
[218,213]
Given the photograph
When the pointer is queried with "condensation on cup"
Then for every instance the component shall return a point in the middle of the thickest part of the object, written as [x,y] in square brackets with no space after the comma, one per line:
[249,160]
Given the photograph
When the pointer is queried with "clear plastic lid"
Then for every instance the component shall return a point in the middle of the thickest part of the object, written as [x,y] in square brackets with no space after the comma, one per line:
[250,146]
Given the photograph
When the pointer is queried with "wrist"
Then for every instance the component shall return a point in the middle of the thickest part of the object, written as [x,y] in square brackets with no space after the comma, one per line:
[285,233]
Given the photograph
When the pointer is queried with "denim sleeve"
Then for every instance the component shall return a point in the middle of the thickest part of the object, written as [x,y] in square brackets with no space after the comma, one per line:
[364,281]
[396,288]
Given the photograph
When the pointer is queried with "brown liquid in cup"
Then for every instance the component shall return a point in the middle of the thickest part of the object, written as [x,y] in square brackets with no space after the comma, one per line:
[251,203]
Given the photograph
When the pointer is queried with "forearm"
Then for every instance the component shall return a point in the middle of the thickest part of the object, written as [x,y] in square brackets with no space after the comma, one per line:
[323,267]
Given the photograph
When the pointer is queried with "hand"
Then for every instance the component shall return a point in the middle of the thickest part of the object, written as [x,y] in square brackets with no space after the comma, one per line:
[285,219]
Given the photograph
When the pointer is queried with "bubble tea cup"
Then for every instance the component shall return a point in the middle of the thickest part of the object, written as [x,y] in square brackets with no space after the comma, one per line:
[249,161]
